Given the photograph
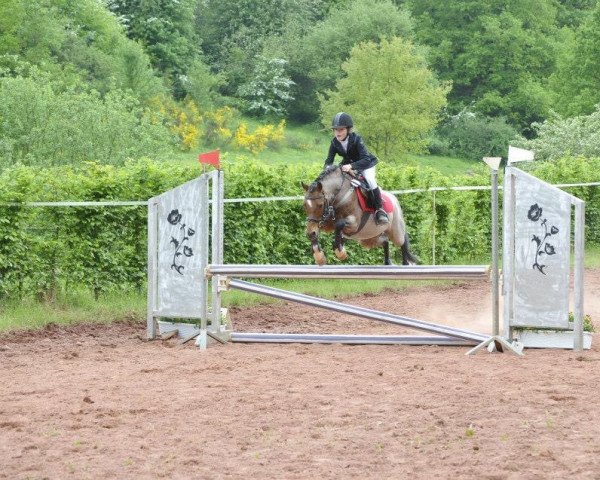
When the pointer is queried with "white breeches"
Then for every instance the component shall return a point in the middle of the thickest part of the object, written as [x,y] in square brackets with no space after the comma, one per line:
[369,175]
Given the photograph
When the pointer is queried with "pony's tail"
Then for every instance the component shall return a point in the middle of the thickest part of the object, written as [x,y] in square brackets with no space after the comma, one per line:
[407,257]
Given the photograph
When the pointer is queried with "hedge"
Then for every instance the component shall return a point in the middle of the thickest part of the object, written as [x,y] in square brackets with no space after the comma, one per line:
[46,249]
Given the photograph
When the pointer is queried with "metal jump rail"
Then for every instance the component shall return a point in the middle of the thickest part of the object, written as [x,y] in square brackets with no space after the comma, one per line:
[408,272]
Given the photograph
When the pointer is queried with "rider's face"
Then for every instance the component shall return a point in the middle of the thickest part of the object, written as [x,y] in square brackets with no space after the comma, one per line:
[340,133]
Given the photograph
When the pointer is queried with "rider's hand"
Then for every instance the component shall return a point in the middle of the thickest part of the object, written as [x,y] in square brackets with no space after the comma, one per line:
[346,168]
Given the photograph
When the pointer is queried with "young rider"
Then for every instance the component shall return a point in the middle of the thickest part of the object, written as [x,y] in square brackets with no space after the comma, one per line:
[355,156]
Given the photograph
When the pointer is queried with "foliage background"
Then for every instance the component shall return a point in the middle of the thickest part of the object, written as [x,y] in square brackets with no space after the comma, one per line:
[136,87]
[510,63]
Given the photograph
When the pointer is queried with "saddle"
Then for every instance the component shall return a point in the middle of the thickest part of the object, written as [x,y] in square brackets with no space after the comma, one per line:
[365,197]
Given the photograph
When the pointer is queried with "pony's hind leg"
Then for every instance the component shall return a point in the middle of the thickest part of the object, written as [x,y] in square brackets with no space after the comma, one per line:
[407,257]
[338,242]
[399,236]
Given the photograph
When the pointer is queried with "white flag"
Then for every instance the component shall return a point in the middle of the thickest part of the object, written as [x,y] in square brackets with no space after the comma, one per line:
[519,154]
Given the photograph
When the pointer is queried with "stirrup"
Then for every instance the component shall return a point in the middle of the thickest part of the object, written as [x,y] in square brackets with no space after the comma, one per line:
[381,217]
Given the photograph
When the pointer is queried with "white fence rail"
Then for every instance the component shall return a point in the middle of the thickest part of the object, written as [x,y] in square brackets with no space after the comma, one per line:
[144,203]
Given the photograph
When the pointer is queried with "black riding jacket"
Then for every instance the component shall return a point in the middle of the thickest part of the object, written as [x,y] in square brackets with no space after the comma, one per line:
[357,154]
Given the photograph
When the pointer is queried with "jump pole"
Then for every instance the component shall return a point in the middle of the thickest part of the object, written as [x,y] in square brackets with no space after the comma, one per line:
[227,275]
[382,272]
[251,337]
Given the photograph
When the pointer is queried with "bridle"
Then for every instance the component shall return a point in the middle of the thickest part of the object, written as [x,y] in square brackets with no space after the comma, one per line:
[328,207]
[328,210]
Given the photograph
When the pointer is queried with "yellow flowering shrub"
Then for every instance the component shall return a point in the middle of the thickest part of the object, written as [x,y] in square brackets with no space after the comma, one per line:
[217,126]
[182,119]
[257,141]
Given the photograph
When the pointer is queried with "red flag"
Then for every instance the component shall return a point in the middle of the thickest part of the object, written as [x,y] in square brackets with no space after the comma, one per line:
[210,157]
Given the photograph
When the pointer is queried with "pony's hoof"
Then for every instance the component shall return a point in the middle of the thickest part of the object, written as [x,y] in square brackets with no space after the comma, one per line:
[341,254]
[320,258]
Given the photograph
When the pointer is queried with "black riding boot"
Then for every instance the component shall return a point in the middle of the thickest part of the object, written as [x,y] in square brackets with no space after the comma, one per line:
[380,215]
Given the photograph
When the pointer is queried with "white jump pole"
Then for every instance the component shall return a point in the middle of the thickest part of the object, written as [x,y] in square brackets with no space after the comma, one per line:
[578,275]
[202,339]
[217,247]
[260,337]
[494,164]
[152,267]
[497,341]
[405,272]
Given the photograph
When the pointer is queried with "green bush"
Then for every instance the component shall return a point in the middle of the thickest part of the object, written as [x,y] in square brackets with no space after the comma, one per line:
[44,250]
[474,136]
[43,124]
[558,137]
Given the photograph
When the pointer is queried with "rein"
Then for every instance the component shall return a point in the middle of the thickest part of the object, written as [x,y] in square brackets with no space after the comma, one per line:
[329,207]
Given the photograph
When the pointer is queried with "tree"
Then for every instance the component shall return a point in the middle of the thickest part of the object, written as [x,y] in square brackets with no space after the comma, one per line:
[202,85]
[559,137]
[497,53]
[572,13]
[234,33]
[577,80]
[76,42]
[269,90]
[316,58]
[392,95]
[167,30]
[472,135]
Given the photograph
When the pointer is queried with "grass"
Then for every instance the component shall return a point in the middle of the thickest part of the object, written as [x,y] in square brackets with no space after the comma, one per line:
[302,144]
[80,307]
[592,256]
[70,308]
[449,166]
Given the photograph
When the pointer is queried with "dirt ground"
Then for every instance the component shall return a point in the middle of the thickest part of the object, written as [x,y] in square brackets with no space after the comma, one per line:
[100,402]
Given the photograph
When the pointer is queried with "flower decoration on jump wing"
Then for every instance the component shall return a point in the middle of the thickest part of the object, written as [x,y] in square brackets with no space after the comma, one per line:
[541,241]
[181,249]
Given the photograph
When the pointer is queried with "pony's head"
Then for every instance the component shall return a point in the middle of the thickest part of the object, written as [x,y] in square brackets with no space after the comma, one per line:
[316,194]
[317,199]
[314,201]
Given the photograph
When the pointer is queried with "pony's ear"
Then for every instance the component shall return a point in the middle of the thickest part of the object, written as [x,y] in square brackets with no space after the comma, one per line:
[318,187]
[304,186]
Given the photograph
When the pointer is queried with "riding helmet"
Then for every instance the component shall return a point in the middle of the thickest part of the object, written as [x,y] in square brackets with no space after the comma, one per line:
[342,119]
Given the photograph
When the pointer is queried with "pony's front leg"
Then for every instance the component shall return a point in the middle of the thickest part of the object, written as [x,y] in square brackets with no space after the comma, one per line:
[338,243]
[313,236]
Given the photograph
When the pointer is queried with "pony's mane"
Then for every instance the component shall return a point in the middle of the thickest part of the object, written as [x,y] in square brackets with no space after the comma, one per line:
[328,171]
[325,173]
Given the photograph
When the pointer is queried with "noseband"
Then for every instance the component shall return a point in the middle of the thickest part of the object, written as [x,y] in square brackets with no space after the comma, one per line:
[328,211]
